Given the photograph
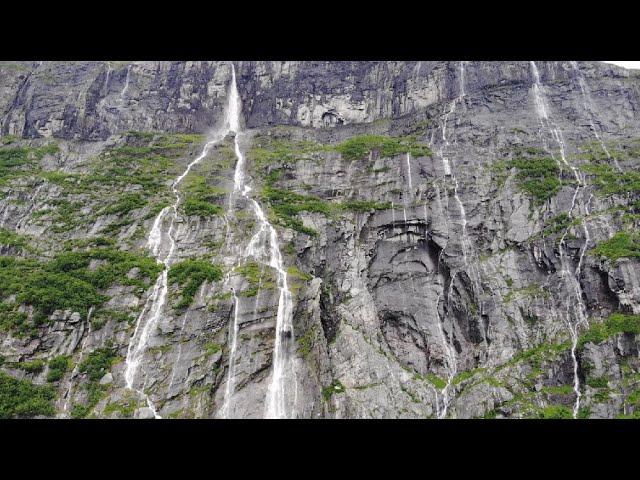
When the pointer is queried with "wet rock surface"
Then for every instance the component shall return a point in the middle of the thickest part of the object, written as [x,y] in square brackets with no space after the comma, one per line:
[429,279]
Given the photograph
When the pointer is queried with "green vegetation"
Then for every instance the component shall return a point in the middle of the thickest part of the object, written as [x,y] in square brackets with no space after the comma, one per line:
[533,290]
[129,176]
[609,181]
[555,412]
[9,238]
[58,367]
[71,280]
[597,382]
[558,224]
[34,366]
[356,148]
[125,204]
[306,341]
[286,205]
[200,198]
[334,388]
[12,320]
[211,348]
[125,407]
[267,151]
[21,398]
[98,363]
[101,316]
[14,160]
[537,355]
[621,245]
[257,277]
[437,382]
[612,325]
[201,208]
[363,206]
[537,177]
[190,275]
[559,390]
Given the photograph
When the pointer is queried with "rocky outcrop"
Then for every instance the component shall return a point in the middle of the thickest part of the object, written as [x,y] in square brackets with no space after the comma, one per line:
[456,273]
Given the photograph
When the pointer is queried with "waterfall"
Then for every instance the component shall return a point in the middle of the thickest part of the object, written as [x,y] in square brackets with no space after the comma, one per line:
[126,83]
[154,306]
[106,80]
[264,248]
[233,342]
[588,106]
[572,278]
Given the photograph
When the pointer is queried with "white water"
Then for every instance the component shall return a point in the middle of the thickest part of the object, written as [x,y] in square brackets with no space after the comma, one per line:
[264,248]
[106,80]
[154,307]
[126,83]
[589,107]
[233,342]
[408,163]
[571,278]
[450,353]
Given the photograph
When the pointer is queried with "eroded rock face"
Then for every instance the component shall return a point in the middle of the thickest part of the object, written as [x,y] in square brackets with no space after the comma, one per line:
[427,280]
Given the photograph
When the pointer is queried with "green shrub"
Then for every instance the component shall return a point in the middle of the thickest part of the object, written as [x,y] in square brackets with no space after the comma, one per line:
[58,366]
[190,275]
[597,382]
[34,366]
[621,245]
[436,381]
[334,388]
[98,363]
[48,291]
[616,323]
[9,238]
[356,148]
[537,177]
[21,398]
[125,204]
[363,206]
[257,277]
[555,411]
[286,205]
[200,208]
[267,151]
[609,181]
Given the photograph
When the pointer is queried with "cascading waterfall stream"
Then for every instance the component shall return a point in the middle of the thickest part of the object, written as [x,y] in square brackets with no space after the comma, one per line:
[233,345]
[263,247]
[126,83]
[571,277]
[464,239]
[156,302]
[588,106]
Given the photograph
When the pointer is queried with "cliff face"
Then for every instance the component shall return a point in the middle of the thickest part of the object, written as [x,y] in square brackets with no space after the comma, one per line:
[456,240]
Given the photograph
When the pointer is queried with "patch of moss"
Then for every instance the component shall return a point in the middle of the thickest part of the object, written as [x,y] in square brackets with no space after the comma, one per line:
[23,399]
[356,148]
[334,388]
[190,275]
[621,245]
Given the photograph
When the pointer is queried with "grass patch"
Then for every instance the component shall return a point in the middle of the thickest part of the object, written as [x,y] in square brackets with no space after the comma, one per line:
[23,399]
[621,245]
[537,177]
[190,275]
[555,412]
[614,324]
[98,363]
[356,148]
[58,366]
[334,388]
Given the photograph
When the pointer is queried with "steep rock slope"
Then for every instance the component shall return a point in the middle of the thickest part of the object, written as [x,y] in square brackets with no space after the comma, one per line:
[460,239]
